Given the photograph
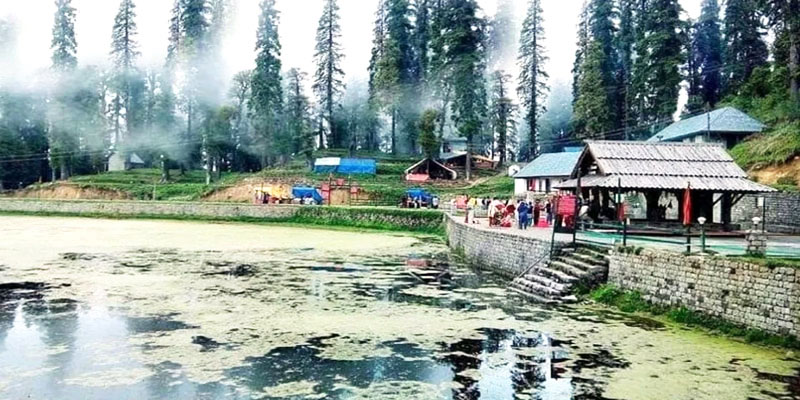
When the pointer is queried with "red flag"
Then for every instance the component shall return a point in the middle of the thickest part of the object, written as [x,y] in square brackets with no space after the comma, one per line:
[687,206]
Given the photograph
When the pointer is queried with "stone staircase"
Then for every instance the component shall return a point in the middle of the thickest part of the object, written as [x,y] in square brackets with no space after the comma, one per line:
[552,281]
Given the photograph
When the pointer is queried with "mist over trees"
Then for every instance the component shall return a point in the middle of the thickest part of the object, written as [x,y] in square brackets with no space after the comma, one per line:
[439,69]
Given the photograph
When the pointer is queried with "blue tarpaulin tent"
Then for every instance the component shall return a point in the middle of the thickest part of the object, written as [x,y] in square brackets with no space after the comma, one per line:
[346,166]
[301,192]
[357,166]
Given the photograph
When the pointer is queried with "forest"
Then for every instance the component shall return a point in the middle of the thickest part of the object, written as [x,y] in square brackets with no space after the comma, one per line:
[438,69]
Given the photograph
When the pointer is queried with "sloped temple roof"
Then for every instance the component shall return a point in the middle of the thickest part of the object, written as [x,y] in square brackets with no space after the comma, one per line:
[665,166]
[723,120]
[550,164]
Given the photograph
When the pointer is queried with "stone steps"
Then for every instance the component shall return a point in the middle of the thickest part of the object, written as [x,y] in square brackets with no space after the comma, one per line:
[552,281]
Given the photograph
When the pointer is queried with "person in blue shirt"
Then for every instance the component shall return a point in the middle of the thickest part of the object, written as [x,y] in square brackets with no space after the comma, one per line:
[522,211]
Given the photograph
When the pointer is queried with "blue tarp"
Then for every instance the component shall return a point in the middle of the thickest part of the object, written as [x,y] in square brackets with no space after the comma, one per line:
[301,192]
[350,166]
[419,193]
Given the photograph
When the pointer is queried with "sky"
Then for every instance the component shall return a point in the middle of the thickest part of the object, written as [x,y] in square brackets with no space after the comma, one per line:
[34,18]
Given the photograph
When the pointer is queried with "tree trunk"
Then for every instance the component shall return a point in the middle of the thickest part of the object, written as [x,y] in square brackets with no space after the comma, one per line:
[164,169]
[394,126]
[64,169]
[321,134]
[794,62]
[469,159]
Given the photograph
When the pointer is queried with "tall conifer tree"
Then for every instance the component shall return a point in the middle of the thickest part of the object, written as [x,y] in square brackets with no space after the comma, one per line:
[329,76]
[267,93]
[532,87]
[745,48]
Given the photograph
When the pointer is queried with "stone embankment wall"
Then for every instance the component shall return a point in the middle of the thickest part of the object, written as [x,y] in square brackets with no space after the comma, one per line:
[504,251]
[422,221]
[782,216]
[739,292]
[146,208]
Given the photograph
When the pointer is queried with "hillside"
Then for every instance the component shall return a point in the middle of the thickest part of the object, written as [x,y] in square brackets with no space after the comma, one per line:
[385,188]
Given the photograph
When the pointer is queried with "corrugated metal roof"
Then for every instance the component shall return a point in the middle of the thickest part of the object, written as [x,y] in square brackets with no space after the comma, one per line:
[550,164]
[669,166]
[724,120]
[716,184]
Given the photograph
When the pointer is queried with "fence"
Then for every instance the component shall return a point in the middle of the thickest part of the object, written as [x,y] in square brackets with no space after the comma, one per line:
[687,240]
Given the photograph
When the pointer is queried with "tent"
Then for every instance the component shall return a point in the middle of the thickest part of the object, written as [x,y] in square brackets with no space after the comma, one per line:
[301,192]
[353,166]
[326,165]
[429,169]
[345,166]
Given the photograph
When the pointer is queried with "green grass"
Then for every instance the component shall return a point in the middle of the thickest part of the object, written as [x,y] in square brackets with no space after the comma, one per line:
[632,302]
[385,189]
[779,145]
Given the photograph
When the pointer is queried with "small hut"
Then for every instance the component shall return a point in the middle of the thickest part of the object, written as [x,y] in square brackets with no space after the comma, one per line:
[429,169]
[727,125]
[660,173]
[459,160]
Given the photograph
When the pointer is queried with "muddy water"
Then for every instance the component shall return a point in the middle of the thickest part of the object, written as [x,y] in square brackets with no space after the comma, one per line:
[153,310]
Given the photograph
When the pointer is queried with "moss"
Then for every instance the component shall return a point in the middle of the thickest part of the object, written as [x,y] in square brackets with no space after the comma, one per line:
[632,302]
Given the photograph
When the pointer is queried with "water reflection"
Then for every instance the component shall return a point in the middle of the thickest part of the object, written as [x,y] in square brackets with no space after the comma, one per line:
[59,349]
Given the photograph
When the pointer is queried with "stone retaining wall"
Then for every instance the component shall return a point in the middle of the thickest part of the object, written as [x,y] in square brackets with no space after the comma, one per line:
[782,214]
[134,208]
[502,251]
[739,292]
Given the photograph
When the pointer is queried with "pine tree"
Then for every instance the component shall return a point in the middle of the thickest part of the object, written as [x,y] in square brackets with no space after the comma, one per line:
[175,34]
[532,79]
[503,115]
[708,46]
[745,48]
[422,38]
[583,47]
[124,51]
[592,109]
[657,68]
[695,102]
[64,45]
[267,93]
[784,16]
[427,137]
[437,78]
[329,77]
[626,41]
[502,36]
[297,114]
[63,142]
[393,74]
[465,57]
[602,30]
[378,49]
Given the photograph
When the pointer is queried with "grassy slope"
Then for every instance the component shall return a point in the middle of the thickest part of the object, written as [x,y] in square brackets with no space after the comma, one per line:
[386,187]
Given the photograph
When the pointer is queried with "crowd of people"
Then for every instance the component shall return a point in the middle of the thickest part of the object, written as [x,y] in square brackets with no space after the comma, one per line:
[522,214]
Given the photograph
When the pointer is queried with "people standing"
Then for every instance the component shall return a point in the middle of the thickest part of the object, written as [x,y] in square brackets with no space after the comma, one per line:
[537,213]
[548,209]
[522,210]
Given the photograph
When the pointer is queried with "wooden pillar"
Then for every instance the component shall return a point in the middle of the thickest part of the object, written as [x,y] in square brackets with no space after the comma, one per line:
[727,207]
[652,198]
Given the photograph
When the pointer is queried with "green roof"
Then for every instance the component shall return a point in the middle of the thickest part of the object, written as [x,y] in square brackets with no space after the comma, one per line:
[550,164]
[724,120]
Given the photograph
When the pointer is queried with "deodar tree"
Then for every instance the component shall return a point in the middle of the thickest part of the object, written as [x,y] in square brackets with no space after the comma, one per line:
[465,61]
[532,87]
[329,76]
[267,94]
